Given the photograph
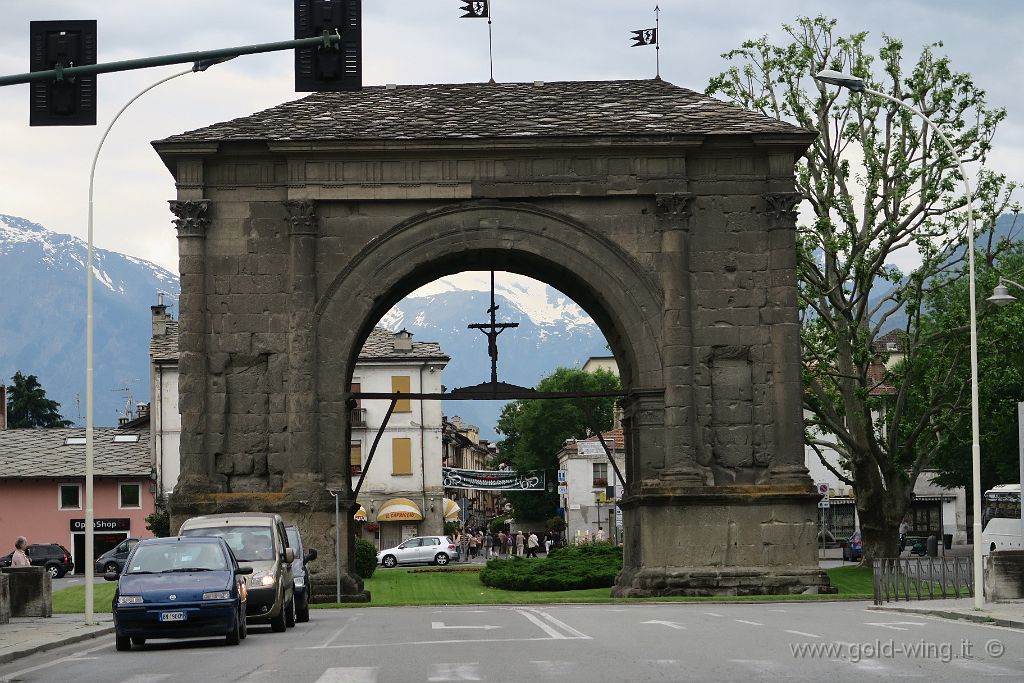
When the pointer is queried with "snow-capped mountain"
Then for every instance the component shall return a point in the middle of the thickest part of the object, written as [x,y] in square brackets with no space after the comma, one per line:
[43,311]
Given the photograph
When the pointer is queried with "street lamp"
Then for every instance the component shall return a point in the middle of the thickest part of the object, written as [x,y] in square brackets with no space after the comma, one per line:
[856,84]
[89,560]
[1000,297]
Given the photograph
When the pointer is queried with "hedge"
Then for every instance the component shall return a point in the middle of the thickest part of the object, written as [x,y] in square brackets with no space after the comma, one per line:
[366,558]
[591,565]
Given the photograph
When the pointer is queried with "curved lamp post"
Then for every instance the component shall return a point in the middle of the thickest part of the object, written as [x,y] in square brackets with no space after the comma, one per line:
[856,84]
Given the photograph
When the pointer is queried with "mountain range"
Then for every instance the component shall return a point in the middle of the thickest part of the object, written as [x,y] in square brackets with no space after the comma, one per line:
[43,300]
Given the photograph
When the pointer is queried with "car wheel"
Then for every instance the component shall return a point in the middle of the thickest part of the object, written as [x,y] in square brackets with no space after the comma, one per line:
[441,559]
[110,567]
[54,571]
[389,561]
[302,609]
[289,614]
[122,643]
[138,641]
[234,636]
[277,623]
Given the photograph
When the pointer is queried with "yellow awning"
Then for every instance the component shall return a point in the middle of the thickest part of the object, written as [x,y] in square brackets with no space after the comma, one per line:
[451,510]
[399,510]
[360,515]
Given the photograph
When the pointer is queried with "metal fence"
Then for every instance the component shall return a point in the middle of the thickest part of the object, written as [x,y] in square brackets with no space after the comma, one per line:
[924,578]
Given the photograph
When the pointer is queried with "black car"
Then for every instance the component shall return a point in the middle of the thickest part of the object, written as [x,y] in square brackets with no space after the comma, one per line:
[53,556]
[300,573]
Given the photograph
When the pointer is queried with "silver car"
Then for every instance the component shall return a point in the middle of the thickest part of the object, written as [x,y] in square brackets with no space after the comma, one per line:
[419,550]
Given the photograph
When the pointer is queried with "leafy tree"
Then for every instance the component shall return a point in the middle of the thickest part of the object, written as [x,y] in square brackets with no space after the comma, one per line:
[27,405]
[944,368]
[159,522]
[879,186]
[535,430]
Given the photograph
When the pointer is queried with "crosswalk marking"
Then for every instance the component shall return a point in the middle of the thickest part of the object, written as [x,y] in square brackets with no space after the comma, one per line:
[446,671]
[349,674]
[713,614]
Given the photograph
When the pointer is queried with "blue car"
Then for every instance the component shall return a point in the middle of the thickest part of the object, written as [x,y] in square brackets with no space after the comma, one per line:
[179,588]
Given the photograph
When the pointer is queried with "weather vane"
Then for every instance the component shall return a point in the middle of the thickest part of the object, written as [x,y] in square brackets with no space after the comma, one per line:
[491,330]
[649,36]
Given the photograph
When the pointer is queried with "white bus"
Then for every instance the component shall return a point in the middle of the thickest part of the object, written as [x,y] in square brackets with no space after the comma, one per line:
[1001,518]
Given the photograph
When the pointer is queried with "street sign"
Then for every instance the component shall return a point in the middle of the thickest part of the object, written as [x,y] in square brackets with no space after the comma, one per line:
[823,504]
[822,488]
[561,475]
[563,489]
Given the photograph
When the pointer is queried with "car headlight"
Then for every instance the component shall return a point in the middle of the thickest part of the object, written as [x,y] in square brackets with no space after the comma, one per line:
[129,599]
[300,581]
[261,579]
[217,595]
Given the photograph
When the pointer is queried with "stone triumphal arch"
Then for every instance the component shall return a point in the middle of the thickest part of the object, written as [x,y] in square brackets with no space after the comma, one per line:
[667,215]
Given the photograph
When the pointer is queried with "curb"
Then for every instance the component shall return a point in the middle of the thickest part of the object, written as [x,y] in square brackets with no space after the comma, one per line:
[7,657]
[976,618]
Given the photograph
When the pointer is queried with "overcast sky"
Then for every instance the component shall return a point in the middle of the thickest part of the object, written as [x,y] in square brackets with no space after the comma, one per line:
[44,171]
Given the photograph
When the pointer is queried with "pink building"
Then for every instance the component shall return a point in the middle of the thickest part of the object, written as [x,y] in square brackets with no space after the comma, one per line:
[42,487]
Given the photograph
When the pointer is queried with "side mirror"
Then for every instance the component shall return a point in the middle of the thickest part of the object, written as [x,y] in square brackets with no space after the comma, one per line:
[310,556]
[110,576]
[244,570]
[289,555]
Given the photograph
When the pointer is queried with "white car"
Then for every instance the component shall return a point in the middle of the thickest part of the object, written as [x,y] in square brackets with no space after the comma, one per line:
[419,550]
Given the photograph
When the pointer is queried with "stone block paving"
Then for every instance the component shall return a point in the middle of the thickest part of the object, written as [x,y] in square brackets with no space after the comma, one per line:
[25,636]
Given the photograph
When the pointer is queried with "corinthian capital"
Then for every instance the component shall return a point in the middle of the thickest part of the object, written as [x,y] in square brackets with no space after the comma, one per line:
[675,206]
[302,217]
[782,205]
[190,220]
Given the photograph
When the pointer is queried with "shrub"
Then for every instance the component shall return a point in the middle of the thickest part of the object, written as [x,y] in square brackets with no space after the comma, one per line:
[556,523]
[365,559]
[572,568]
[159,523]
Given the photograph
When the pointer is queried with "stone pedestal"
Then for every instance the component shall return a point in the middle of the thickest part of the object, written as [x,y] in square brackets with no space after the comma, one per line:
[5,599]
[313,514]
[30,591]
[1004,575]
[720,540]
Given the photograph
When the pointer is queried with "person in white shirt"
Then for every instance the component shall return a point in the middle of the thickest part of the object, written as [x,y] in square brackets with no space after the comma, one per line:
[599,536]
[19,558]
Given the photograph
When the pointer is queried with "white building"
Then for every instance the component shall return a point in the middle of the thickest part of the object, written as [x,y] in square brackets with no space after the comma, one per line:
[164,419]
[591,487]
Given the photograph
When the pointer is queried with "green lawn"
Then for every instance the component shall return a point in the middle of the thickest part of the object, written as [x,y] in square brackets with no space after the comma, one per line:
[393,587]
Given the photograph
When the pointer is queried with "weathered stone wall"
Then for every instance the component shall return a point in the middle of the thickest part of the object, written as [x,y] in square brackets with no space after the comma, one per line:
[683,252]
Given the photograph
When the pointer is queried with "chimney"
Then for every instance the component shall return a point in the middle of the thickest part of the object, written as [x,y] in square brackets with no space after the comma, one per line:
[141,410]
[3,407]
[403,340]
[160,316]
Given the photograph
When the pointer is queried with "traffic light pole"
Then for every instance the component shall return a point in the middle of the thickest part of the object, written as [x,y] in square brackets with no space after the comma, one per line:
[326,40]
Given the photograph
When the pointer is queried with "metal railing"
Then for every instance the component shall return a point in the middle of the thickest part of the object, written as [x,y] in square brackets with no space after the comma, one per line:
[359,417]
[923,578]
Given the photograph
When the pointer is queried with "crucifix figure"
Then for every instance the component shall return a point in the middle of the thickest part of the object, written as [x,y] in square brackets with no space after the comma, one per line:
[492,330]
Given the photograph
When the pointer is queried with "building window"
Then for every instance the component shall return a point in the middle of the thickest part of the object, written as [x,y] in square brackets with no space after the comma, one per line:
[70,497]
[355,458]
[600,474]
[403,384]
[401,456]
[130,496]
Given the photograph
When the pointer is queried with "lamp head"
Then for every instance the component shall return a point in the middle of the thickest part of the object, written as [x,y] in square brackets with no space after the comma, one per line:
[1001,295]
[842,80]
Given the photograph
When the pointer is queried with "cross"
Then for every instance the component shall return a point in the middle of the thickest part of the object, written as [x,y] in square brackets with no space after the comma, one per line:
[492,330]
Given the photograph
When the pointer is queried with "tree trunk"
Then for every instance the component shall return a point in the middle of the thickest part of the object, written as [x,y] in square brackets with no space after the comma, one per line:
[880,508]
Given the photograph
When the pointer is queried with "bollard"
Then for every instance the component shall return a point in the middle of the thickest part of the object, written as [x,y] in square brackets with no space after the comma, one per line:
[932,546]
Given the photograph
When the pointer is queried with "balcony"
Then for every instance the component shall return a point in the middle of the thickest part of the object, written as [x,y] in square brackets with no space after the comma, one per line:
[600,482]
[358,417]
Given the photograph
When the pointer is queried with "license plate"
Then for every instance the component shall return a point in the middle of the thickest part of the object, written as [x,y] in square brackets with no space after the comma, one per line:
[172,616]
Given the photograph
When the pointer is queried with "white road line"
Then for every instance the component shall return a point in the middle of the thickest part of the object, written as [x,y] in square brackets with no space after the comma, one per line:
[895,625]
[553,669]
[562,625]
[443,671]
[558,635]
[752,623]
[801,633]
[776,610]
[18,674]
[349,674]
[338,633]
[147,678]
[670,624]
[438,625]
[351,646]
[712,614]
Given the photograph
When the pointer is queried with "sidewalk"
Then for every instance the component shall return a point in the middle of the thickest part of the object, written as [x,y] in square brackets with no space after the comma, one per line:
[24,636]
[1009,613]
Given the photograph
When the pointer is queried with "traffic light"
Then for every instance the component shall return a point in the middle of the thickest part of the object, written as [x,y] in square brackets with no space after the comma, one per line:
[320,69]
[69,101]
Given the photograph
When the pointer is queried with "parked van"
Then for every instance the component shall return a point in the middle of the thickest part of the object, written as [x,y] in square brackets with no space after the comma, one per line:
[258,540]
[1002,519]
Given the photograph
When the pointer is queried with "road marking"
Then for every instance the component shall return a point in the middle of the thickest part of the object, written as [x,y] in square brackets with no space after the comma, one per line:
[895,625]
[752,623]
[554,633]
[801,633]
[573,633]
[338,633]
[438,625]
[553,669]
[470,671]
[776,610]
[670,624]
[713,614]
[147,678]
[349,674]
[18,674]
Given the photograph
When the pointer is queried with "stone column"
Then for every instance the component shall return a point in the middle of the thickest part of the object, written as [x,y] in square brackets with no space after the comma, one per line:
[303,464]
[673,215]
[788,458]
[197,466]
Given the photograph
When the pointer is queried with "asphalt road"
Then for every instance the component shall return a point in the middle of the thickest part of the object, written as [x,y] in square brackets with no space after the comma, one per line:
[648,642]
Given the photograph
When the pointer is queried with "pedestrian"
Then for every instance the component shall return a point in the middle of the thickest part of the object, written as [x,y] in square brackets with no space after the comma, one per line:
[531,544]
[599,536]
[501,543]
[465,545]
[547,541]
[472,546]
[20,558]
[519,542]
[457,542]
[904,529]
[508,543]
[488,545]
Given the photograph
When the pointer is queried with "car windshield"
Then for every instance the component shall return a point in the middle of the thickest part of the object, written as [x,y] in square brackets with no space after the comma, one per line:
[248,543]
[163,558]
